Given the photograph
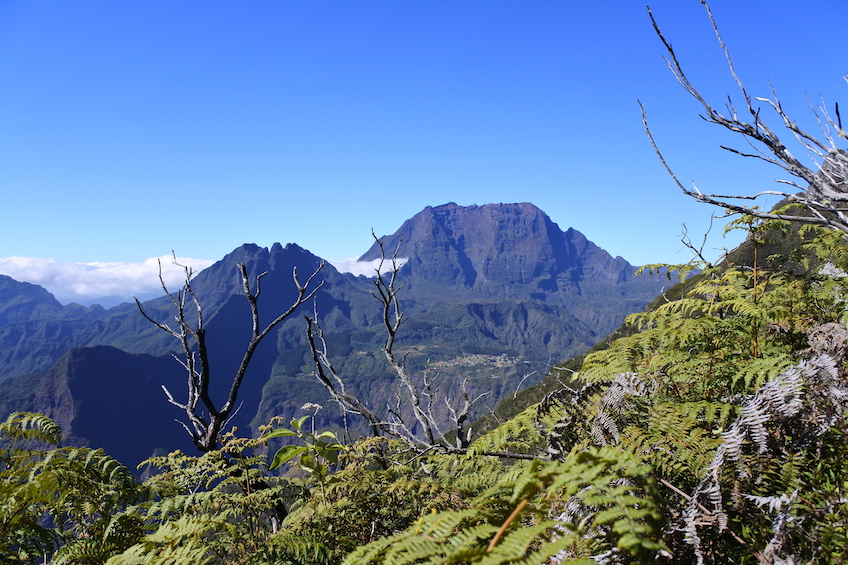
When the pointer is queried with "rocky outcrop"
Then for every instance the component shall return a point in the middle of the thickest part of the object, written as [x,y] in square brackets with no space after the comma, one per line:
[499,246]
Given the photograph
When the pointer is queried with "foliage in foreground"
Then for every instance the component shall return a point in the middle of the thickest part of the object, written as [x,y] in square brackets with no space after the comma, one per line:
[600,501]
[60,501]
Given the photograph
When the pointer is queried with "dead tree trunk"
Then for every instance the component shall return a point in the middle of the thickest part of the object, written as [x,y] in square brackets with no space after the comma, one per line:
[206,421]
[416,394]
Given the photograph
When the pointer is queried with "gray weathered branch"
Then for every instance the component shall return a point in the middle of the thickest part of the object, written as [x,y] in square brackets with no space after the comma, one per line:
[825,195]
[208,425]
[418,394]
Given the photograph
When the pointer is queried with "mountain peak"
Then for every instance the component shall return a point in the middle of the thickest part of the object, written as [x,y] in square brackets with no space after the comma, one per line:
[495,281]
[498,208]
[21,301]
[495,245]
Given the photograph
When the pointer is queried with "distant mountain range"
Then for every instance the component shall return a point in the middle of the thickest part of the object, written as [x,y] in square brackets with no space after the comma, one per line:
[494,294]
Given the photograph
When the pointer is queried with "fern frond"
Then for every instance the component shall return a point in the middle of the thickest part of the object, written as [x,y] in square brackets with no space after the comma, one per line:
[673,440]
[31,426]
[519,520]
[518,434]
[779,402]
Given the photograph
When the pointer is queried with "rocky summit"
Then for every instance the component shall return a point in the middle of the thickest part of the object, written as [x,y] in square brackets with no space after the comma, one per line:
[499,246]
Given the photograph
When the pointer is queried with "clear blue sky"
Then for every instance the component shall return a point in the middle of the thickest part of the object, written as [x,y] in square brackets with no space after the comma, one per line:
[128,129]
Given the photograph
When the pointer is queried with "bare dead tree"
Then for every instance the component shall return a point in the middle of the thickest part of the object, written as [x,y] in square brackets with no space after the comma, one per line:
[326,373]
[697,250]
[821,188]
[419,395]
[207,421]
[387,295]
[460,415]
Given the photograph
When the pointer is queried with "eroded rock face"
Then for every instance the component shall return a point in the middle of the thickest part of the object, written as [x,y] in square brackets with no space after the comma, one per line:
[499,245]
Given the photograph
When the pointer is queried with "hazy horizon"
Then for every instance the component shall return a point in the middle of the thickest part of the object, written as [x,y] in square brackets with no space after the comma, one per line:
[110,284]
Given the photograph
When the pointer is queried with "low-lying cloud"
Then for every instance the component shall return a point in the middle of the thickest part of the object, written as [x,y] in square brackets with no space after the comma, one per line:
[100,283]
[109,284]
[367,268]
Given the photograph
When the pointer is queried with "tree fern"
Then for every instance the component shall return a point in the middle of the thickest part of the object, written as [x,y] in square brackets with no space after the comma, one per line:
[76,490]
[30,427]
[673,440]
[523,519]
[221,506]
[519,434]
[778,423]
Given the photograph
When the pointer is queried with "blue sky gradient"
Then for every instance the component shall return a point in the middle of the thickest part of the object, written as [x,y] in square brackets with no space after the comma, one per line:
[128,129]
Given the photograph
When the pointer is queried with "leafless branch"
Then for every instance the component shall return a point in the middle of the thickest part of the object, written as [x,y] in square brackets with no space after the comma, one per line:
[825,195]
[206,429]
[336,387]
[697,252]
[386,292]
[460,415]
[524,378]
[420,395]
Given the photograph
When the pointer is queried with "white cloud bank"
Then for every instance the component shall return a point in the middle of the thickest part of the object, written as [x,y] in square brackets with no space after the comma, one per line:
[106,284]
[367,268]
[109,284]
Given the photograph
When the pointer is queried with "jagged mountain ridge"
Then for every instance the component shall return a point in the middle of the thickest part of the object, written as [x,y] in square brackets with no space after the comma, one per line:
[499,246]
[492,293]
[513,251]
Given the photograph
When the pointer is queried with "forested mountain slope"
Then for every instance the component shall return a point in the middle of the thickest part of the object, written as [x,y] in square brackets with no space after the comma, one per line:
[784,247]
